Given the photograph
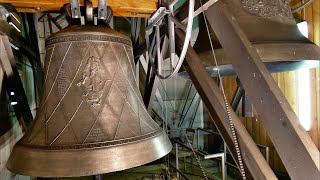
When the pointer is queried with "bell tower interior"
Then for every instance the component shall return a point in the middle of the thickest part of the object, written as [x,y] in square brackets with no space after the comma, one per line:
[159,89]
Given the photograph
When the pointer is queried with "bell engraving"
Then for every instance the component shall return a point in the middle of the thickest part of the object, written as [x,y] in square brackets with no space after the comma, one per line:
[92,119]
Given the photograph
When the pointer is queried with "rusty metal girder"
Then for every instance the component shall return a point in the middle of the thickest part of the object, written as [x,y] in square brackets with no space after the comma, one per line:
[255,165]
[295,147]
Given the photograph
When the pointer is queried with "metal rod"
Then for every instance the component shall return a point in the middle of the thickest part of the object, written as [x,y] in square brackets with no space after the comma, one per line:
[184,116]
[198,138]
[201,154]
[201,9]
[158,40]
[225,172]
[185,102]
[194,113]
[208,131]
[171,35]
[210,156]
[178,23]
[137,31]
[267,149]
[133,29]
[177,160]
[223,167]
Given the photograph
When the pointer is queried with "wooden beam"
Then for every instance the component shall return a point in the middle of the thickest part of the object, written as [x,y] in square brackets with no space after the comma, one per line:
[295,147]
[126,8]
[255,164]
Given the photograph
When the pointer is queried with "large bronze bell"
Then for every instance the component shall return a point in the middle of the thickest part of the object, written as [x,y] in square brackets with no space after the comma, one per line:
[272,30]
[91,119]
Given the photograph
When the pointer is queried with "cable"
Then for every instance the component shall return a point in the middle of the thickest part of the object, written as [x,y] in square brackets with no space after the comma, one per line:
[301,7]
[233,132]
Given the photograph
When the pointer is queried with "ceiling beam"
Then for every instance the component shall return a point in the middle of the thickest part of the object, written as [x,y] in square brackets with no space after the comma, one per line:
[125,8]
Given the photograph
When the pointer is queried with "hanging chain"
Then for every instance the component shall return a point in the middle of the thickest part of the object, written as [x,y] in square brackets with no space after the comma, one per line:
[233,132]
[195,155]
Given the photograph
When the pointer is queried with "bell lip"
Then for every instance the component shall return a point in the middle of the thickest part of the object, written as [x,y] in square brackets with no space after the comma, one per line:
[52,163]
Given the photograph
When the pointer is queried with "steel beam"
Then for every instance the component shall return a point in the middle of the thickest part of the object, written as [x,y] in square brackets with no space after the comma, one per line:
[237,98]
[141,49]
[295,147]
[152,86]
[5,125]
[14,83]
[255,164]
[157,95]
[19,41]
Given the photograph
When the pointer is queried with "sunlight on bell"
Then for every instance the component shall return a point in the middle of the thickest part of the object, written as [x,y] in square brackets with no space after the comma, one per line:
[304,98]
[303,27]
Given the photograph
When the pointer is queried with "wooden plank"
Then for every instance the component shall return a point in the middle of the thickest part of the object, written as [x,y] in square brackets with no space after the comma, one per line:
[126,8]
[255,164]
[295,147]
[318,105]
[314,133]
[314,19]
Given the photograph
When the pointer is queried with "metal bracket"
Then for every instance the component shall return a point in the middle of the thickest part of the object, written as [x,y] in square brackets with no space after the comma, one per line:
[156,18]
[75,9]
[154,21]
[104,14]
[89,12]
[102,9]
